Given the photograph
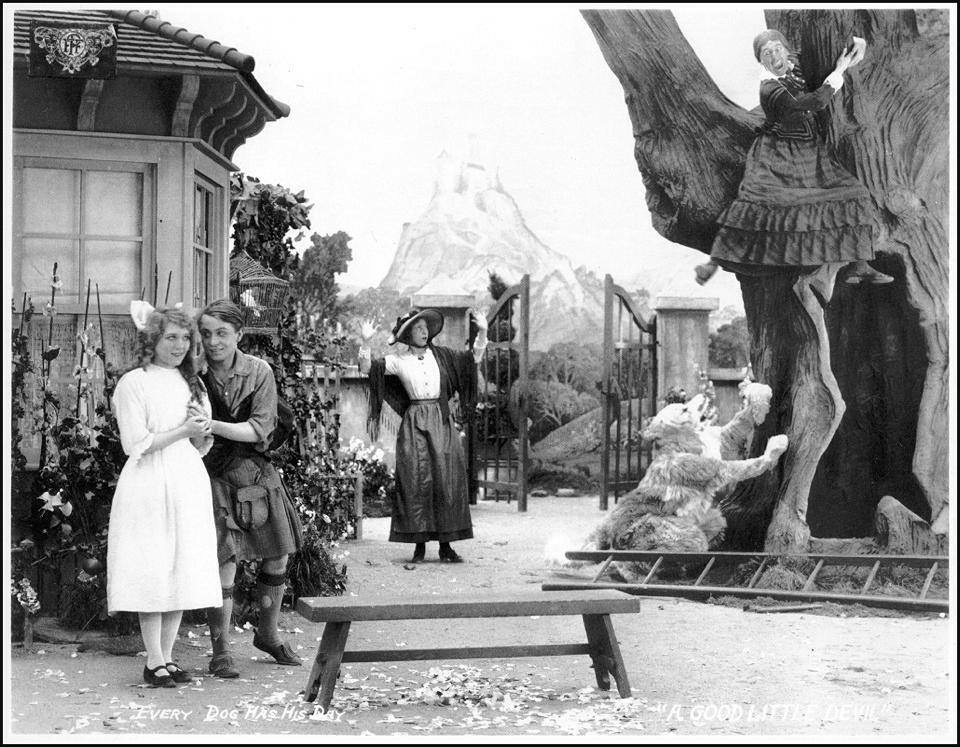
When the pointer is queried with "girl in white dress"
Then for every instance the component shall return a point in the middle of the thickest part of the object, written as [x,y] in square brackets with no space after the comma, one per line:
[162,545]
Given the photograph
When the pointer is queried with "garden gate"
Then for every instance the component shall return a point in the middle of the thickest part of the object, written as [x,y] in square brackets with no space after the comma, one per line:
[628,391]
[498,447]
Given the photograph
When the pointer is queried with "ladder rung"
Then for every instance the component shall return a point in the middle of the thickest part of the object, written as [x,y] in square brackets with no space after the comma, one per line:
[705,571]
[759,572]
[603,568]
[653,570]
[870,576]
[809,584]
[926,584]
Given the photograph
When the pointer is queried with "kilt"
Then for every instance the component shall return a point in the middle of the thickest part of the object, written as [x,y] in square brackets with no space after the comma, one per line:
[281,533]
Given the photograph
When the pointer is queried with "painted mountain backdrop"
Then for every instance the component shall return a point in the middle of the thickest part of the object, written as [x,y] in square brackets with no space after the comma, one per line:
[473,226]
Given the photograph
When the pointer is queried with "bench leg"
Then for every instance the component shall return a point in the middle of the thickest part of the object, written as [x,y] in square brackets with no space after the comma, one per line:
[605,653]
[326,664]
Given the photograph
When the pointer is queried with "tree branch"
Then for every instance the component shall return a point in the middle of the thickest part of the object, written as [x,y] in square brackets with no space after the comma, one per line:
[690,139]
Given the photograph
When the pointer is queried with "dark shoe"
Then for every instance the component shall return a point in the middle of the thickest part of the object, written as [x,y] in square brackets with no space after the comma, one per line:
[281,652]
[870,276]
[448,555]
[704,272]
[221,665]
[419,552]
[151,678]
[179,675]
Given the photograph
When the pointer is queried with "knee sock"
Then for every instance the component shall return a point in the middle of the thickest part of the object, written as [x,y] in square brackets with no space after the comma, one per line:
[270,588]
[218,618]
[169,627]
[150,623]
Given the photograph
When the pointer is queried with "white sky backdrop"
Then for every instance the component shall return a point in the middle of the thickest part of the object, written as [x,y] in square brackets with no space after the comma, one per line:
[377,92]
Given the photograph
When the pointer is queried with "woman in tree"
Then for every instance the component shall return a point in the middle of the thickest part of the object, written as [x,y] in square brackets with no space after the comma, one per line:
[796,206]
[418,383]
[161,553]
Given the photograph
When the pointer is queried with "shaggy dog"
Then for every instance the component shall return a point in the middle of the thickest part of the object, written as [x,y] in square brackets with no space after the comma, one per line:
[673,508]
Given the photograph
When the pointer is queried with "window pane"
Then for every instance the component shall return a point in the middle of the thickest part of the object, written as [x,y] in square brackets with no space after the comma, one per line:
[201,216]
[115,266]
[36,270]
[113,204]
[201,270]
[50,201]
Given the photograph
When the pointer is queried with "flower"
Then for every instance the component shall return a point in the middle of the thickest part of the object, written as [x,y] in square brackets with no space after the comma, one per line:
[56,283]
[49,310]
[26,596]
[50,502]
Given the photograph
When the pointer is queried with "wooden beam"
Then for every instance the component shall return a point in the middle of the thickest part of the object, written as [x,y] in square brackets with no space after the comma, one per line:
[89,101]
[222,115]
[518,604]
[241,136]
[237,118]
[189,88]
[215,93]
[478,652]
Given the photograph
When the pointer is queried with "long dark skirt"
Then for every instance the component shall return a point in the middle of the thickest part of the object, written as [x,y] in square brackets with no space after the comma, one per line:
[796,207]
[281,534]
[433,502]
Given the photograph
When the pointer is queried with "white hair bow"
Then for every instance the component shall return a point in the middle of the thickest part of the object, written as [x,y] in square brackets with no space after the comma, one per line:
[140,311]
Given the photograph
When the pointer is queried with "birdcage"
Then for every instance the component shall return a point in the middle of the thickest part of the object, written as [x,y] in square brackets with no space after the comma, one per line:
[257,291]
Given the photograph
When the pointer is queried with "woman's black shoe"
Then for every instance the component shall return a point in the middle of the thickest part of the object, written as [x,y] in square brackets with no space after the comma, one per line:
[179,675]
[448,555]
[419,552]
[151,678]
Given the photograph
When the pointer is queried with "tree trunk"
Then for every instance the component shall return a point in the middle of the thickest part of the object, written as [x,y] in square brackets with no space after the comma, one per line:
[872,368]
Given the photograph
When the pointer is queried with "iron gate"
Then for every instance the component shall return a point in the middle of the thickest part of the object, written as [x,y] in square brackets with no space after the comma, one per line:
[499,443]
[628,389]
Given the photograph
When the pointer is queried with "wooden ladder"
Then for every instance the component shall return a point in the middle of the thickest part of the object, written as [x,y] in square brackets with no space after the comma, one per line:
[650,586]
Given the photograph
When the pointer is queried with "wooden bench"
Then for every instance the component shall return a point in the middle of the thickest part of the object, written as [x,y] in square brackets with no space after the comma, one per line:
[595,606]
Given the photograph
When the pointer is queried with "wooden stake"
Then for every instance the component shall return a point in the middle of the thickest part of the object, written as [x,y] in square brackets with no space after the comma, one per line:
[23,311]
[103,344]
[166,297]
[45,369]
[83,350]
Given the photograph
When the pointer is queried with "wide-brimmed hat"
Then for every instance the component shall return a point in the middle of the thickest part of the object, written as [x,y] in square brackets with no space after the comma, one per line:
[401,329]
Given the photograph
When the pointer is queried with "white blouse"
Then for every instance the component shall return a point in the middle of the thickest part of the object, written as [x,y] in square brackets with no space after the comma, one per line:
[420,372]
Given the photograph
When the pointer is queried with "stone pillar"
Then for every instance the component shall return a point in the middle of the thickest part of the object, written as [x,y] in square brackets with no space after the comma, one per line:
[453,306]
[683,337]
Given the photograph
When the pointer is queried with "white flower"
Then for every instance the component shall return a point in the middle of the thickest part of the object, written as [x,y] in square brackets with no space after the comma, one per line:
[50,502]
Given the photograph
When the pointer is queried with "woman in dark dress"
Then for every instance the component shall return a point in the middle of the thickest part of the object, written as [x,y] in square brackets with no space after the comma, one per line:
[418,383]
[796,206]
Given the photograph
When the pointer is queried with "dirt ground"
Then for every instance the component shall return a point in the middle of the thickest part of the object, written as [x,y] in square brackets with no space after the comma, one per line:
[696,670]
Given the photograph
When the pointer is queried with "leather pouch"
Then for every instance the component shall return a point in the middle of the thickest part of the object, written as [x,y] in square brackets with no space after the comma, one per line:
[250,507]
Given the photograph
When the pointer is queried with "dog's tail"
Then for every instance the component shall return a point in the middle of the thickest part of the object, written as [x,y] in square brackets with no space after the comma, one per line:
[558,544]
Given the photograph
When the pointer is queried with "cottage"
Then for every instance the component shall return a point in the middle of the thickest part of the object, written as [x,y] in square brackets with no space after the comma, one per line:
[124,127]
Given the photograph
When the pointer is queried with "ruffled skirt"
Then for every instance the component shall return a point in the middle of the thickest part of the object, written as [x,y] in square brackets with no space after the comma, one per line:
[796,207]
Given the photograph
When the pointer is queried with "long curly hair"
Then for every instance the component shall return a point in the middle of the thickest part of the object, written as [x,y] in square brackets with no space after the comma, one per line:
[149,336]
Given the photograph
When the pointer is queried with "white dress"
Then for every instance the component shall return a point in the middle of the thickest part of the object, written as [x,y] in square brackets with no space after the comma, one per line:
[162,544]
